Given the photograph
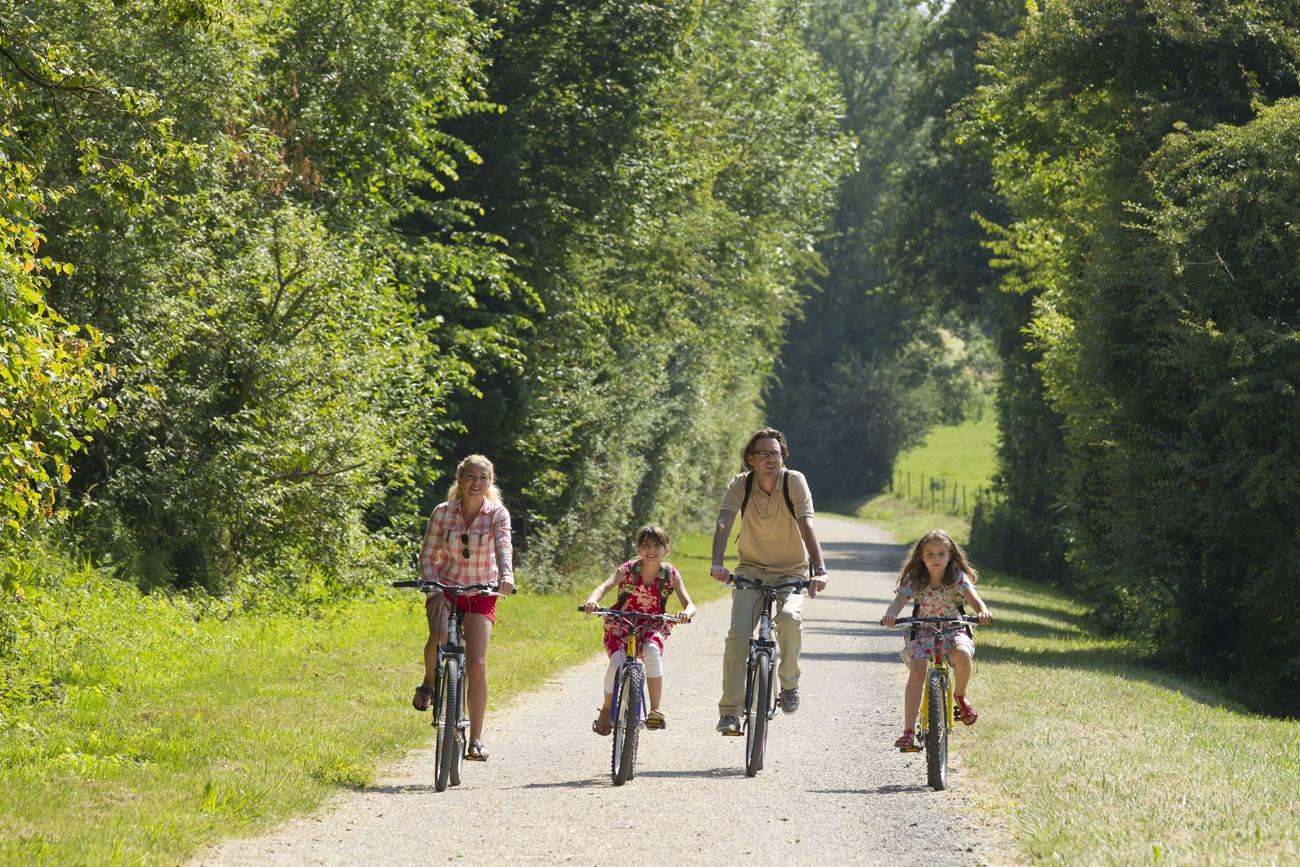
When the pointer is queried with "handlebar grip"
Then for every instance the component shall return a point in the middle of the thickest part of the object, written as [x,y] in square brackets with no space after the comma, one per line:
[407,583]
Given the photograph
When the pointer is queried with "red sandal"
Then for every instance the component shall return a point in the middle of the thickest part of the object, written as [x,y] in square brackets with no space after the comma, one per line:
[907,742]
[966,711]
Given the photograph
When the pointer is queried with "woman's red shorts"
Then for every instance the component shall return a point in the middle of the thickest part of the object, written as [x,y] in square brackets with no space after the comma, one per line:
[485,605]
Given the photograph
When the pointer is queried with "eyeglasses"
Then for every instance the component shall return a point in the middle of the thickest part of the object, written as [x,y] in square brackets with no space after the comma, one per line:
[764,455]
[464,540]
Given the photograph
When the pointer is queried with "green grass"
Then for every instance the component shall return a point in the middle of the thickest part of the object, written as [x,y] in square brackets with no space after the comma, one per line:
[964,456]
[1090,755]
[165,727]
[1097,759]
[160,728]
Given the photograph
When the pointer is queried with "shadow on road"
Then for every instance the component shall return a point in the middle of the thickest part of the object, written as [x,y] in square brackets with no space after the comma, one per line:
[893,789]
[850,657]
[409,789]
[567,784]
[863,556]
[710,773]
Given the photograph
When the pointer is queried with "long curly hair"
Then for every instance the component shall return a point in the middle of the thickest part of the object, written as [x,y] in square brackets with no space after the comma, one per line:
[493,494]
[916,576]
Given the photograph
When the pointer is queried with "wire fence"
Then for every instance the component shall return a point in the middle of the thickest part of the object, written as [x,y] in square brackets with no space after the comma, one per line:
[940,494]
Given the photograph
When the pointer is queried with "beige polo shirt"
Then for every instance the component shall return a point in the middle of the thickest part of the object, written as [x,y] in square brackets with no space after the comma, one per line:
[769,535]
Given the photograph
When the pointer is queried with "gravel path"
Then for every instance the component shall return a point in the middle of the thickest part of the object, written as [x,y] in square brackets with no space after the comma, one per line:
[832,790]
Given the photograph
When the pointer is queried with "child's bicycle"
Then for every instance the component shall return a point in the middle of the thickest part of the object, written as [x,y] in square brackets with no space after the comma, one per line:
[760,698]
[627,709]
[937,699]
[449,718]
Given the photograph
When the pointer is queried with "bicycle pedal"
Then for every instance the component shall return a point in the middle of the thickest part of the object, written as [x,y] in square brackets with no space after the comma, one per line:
[915,749]
[735,734]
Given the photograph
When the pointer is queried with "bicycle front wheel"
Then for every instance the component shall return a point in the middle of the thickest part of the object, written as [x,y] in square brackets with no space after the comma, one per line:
[448,752]
[936,734]
[760,702]
[627,726]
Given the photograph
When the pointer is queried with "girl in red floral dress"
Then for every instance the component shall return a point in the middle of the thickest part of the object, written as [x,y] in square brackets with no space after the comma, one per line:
[644,585]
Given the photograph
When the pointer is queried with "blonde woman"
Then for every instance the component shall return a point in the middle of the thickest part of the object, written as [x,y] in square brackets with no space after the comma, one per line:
[467,541]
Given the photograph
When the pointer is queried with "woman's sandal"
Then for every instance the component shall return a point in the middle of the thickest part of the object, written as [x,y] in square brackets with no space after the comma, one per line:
[966,711]
[423,698]
[655,720]
[907,742]
[601,725]
[476,752]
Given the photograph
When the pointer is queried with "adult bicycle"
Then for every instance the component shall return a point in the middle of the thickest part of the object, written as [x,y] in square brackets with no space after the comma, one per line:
[627,708]
[937,698]
[760,697]
[449,718]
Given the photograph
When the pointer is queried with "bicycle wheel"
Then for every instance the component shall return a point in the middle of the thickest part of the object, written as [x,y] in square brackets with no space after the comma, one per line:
[627,726]
[447,749]
[760,702]
[936,732]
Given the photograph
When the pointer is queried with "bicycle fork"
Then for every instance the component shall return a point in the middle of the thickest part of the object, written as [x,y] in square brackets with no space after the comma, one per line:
[943,671]
[642,701]
[762,644]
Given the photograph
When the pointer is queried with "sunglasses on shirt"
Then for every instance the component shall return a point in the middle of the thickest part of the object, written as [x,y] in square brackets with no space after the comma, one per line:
[464,540]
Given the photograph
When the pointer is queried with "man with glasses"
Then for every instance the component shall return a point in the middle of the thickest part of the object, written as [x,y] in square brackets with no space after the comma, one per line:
[776,542]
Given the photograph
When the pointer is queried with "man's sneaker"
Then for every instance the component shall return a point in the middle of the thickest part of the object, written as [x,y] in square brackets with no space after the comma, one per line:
[790,700]
[729,725]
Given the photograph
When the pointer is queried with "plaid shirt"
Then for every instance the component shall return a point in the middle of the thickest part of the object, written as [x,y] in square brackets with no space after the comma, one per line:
[442,556]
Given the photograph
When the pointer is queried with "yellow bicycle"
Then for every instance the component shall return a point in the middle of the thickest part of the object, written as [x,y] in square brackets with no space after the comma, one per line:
[938,701]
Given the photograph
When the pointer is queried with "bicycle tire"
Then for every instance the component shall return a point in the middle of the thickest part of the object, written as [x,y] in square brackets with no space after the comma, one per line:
[449,734]
[627,726]
[460,741]
[936,733]
[760,702]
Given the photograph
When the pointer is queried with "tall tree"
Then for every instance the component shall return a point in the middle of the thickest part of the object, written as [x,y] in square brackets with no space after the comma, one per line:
[1140,176]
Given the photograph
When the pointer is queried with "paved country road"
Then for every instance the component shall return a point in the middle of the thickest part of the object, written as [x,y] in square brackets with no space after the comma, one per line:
[833,790]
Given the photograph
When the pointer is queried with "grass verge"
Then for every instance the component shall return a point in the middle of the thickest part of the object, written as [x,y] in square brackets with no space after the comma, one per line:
[162,729]
[1101,760]
[1093,757]
[965,455]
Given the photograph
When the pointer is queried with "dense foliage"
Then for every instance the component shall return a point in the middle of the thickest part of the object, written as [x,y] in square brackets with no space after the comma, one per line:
[870,365]
[270,268]
[1138,165]
[321,251]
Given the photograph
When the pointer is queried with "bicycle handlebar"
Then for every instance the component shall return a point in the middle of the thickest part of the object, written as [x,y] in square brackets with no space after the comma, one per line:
[472,589]
[615,612]
[794,585]
[965,619]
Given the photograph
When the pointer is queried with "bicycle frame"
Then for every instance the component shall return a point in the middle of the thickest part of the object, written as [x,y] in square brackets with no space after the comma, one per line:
[632,650]
[758,676]
[937,662]
[935,740]
[452,737]
[625,725]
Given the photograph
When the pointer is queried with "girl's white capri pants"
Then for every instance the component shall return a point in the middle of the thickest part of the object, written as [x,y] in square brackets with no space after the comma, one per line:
[654,664]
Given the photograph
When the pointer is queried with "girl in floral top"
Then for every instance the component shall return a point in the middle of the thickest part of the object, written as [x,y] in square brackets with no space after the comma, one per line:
[644,585]
[937,578]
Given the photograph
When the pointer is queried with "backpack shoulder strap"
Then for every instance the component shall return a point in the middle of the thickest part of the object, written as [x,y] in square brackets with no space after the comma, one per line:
[785,489]
[749,486]
[665,587]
